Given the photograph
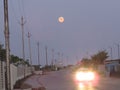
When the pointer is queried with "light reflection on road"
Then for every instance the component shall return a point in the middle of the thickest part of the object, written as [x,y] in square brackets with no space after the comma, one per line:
[82,86]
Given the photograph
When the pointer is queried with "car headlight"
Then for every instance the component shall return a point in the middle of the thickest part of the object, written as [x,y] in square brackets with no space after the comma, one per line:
[90,76]
[85,76]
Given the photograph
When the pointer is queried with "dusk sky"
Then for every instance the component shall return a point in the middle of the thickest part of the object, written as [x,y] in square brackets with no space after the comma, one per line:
[89,26]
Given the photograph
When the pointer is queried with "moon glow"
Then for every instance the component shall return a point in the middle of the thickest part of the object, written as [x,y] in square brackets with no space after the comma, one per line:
[61,19]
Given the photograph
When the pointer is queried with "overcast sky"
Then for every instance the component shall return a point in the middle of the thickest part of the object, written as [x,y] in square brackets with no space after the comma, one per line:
[89,26]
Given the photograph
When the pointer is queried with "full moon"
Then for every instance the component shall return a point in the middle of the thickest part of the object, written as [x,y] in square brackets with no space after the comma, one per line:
[61,19]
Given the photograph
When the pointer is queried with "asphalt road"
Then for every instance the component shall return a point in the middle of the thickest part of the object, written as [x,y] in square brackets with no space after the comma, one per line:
[64,80]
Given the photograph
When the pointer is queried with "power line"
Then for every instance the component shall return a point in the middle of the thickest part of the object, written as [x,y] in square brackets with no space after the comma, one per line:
[1,18]
[23,8]
[13,10]
[19,6]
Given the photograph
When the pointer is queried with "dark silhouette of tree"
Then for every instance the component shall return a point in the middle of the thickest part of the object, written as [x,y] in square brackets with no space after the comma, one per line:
[99,58]
[2,53]
[95,60]
[13,59]
[85,62]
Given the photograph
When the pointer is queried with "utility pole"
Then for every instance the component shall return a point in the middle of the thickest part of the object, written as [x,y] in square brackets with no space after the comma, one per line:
[118,50]
[52,57]
[46,56]
[111,53]
[67,58]
[59,59]
[7,45]
[29,35]
[38,54]
[62,57]
[62,61]
[58,56]
[22,23]
[22,27]
[1,63]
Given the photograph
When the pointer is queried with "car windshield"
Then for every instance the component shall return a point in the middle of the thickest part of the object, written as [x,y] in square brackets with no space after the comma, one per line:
[45,43]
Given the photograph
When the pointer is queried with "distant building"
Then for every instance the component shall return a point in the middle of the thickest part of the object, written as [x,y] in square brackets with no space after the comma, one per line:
[112,67]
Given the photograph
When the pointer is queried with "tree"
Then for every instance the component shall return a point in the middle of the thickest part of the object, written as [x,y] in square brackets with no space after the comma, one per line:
[2,53]
[85,62]
[27,62]
[16,60]
[99,58]
[13,59]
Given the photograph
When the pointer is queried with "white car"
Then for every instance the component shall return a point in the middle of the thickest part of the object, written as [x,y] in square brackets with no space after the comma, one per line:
[85,76]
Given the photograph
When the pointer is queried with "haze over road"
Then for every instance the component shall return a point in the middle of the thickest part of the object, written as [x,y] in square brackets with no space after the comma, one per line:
[64,80]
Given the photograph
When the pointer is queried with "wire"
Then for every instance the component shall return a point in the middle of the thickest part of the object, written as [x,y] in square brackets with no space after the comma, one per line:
[23,8]
[1,15]
[18,9]
[13,10]
[19,6]
[1,21]
[23,13]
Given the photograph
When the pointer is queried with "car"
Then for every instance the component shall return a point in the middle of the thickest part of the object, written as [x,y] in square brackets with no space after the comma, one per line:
[85,76]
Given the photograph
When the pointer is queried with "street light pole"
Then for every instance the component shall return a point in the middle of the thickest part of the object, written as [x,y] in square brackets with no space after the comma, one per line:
[62,59]
[46,56]
[67,60]
[29,35]
[38,54]
[118,50]
[7,45]
[111,53]
[58,56]
[52,63]
[23,51]
[22,26]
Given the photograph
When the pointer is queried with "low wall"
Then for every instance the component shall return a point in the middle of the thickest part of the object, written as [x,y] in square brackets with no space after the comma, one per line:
[16,73]
[2,75]
[13,75]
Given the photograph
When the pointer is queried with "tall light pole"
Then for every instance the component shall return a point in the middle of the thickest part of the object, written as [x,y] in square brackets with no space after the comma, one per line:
[62,61]
[1,63]
[46,56]
[7,45]
[38,53]
[58,56]
[111,53]
[118,50]
[23,51]
[52,57]
[29,35]
[67,58]
[22,27]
